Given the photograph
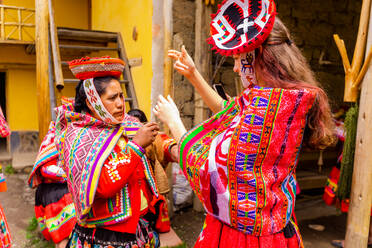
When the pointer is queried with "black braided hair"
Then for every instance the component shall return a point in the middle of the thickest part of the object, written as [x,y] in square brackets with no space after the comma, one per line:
[100,83]
[138,114]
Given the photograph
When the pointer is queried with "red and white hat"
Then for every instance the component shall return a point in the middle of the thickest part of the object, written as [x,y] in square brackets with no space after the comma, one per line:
[240,26]
[87,67]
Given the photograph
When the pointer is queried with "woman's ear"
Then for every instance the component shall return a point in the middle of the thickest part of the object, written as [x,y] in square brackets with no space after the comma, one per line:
[90,107]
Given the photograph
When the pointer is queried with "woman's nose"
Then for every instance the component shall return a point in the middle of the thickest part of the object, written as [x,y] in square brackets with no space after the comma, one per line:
[119,102]
[236,66]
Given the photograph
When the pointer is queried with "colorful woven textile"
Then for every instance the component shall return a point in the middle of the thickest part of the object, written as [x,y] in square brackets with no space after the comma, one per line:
[241,25]
[84,143]
[241,161]
[5,238]
[4,128]
[47,152]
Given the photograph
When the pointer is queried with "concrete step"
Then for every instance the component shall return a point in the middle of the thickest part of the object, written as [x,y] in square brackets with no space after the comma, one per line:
[170,239]
[23,160]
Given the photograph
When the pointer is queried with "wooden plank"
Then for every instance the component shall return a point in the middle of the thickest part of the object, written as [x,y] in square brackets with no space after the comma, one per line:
[2,15]
[42,55]
[91,48]
[13,7]
[86,35]
[312,182]
[127,73]
[58,74]
[19,24]
[203,61]
[168,33]
[361,194]
[17,42]
[6,66]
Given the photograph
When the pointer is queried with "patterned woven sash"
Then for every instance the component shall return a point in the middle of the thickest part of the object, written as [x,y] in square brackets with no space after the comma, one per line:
[84,143]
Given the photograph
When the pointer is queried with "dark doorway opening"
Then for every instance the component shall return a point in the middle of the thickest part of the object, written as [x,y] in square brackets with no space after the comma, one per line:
[3,141]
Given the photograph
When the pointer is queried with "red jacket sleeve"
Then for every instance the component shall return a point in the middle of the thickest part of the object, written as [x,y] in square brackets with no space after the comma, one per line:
[118,168]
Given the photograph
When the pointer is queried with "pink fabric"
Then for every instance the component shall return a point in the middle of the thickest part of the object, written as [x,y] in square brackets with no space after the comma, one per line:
[215,234]
[4,128]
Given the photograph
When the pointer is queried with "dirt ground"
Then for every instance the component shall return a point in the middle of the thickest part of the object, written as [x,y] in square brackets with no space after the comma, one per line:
[18,205]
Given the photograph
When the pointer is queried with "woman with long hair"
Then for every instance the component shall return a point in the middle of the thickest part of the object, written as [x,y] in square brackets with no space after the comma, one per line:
[241,162]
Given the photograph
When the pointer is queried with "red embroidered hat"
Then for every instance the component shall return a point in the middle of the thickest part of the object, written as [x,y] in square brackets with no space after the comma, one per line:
[241,26]
[87,67]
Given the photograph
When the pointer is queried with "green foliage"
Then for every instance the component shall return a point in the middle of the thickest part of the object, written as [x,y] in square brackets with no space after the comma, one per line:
[34,237]
[9,170]
[178,246]
[347,163]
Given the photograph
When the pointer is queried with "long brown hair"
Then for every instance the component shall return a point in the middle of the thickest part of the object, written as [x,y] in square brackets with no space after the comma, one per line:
[281,64]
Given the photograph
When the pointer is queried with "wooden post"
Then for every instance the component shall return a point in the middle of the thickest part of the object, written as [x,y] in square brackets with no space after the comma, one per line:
[2,17]
[353,72]
[202,60]
[58,74]
[168,34]
[361,195]
[42,74]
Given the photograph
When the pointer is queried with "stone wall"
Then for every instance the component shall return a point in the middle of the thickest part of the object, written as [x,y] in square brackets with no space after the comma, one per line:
[312,24]
[184,33]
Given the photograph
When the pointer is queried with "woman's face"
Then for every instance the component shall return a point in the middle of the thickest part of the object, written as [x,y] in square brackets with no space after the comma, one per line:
[113,100]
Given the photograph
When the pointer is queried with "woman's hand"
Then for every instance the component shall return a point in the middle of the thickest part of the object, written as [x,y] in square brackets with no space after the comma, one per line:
[166,110]
[146,134]
[184,63]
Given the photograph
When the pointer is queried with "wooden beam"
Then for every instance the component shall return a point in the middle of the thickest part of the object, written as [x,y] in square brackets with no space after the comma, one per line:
[42,57]
[361,195]
[168,34]
[203,61]
[58,75]
[6,66]
[2,17]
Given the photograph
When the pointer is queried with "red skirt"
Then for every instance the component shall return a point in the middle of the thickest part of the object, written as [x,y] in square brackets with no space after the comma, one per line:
[55,211]
[5,239]
[215,234]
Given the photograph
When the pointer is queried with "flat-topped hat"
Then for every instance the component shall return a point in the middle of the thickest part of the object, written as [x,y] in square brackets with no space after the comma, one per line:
[87,67]
[241,26]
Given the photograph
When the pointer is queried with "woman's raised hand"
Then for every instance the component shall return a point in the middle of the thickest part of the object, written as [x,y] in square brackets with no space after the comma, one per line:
[184,63]
[146,134]
[166,110]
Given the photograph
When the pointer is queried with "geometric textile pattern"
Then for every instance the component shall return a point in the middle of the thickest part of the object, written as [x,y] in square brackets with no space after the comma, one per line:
[240,26]
[84,143]
[241,162]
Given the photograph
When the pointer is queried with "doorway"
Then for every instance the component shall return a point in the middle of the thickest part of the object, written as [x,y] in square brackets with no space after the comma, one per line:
[3,141]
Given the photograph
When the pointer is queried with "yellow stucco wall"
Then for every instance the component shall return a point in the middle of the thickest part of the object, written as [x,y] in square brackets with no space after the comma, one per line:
[21,101]
[122,16]
[22,104]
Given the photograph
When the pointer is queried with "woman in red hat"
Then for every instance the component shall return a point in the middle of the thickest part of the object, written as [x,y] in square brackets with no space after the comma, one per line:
[241,162]
[102,151]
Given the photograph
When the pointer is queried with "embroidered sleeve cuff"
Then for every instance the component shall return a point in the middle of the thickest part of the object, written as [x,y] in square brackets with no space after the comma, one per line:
[224,104]
[136,148]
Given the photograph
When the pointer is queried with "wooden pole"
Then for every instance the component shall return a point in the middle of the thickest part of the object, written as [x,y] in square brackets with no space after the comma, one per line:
[168,34]
[58,75]
[42,74]
[361,189]
[352,72]
[203,58]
